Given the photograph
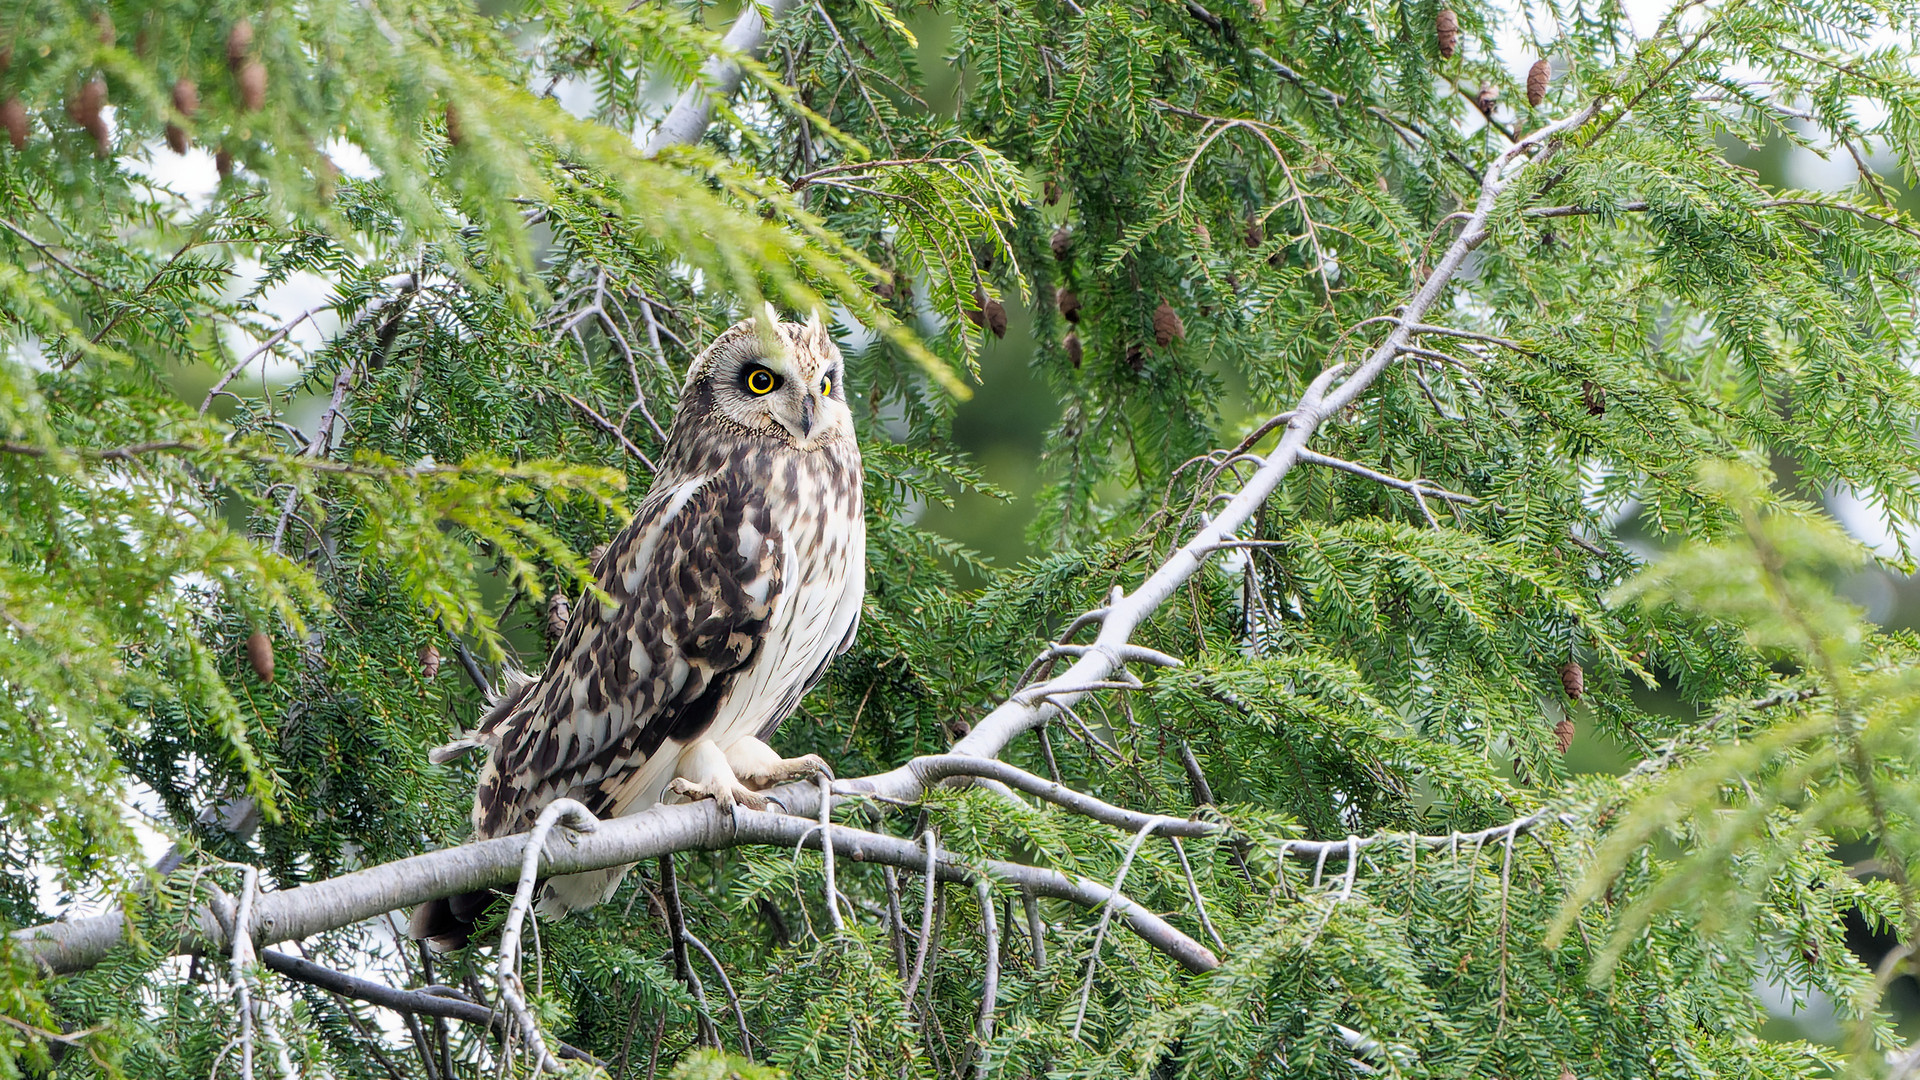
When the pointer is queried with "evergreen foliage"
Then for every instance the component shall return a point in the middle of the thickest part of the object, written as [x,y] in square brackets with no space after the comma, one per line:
[1217,200]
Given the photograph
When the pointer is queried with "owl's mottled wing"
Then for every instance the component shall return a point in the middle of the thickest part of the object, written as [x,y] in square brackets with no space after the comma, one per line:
[695,577]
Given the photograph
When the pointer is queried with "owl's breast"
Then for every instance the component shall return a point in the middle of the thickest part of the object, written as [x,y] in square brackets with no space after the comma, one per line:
[819,512]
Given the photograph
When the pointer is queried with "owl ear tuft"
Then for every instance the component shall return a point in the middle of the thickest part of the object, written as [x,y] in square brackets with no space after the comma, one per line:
[817,330]
[767,328]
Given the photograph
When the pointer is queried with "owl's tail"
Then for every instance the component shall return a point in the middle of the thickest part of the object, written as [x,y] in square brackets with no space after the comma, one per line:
[446,924]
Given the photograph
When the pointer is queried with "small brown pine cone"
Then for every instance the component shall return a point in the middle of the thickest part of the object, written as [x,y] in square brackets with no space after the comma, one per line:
[1537,77]
[1594,396]
[1488,97]
[1068,303]
[429,662]
[997,318]
[959,728]
[1136,359]
[13,117]
[1050,193]
[559,613]
[223,163]
[186,97]
[883,289]
[1073,347]
[1446,32]
[177,140]
[455,133]
[102,136]
[252,84]
[1256,231]
[83,108]
[103,23]
[1563,733]
[974,315]
[1202,234]
[1167,325]
[1573,679]
[260,655]
[239,44]
[1062,243]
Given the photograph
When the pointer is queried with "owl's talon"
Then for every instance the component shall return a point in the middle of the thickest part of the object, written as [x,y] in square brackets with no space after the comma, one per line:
[727,793]
[758,767]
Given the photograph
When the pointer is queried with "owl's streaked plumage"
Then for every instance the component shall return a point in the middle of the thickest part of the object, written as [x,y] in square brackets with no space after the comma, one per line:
[738,580]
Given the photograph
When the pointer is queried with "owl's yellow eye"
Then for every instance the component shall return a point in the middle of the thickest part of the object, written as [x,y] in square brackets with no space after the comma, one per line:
[761,381]
[826,386]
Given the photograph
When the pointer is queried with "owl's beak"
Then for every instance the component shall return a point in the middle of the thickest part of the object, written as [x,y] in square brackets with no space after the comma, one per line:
[799,422]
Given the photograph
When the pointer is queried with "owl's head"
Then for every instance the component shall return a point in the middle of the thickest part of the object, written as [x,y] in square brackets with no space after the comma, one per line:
[784,385]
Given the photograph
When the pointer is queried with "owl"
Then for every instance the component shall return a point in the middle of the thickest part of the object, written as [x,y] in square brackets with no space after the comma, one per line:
[738,580]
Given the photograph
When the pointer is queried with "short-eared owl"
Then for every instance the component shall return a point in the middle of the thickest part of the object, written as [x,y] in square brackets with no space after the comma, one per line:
[739,578]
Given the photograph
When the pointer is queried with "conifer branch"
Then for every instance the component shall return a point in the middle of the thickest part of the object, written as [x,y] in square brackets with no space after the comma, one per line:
[311,909]
[1323,400]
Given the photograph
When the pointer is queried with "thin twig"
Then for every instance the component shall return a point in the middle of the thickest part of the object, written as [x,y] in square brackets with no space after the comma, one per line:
[826,852]
[242,973]
[931,885]
[1106,916]
[247,361]
[1416,487]
[438,1002]
[990,990]
[506,973]
[612,429]
[1193,893]
[1036,930]
[733,999]
[676,935]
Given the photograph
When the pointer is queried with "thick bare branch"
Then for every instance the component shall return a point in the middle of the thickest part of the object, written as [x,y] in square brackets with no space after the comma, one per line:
[719,79]
[325,905]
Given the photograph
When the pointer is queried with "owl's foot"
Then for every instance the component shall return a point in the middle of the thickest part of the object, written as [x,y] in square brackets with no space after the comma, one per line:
[704,773]
[758,767]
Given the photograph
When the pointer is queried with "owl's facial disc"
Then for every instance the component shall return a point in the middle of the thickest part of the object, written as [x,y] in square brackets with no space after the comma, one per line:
[797,394]
[786,385]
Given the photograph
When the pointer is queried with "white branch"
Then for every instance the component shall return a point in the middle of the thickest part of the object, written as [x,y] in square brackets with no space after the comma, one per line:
[719,79]
[990,987]
[580,819]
